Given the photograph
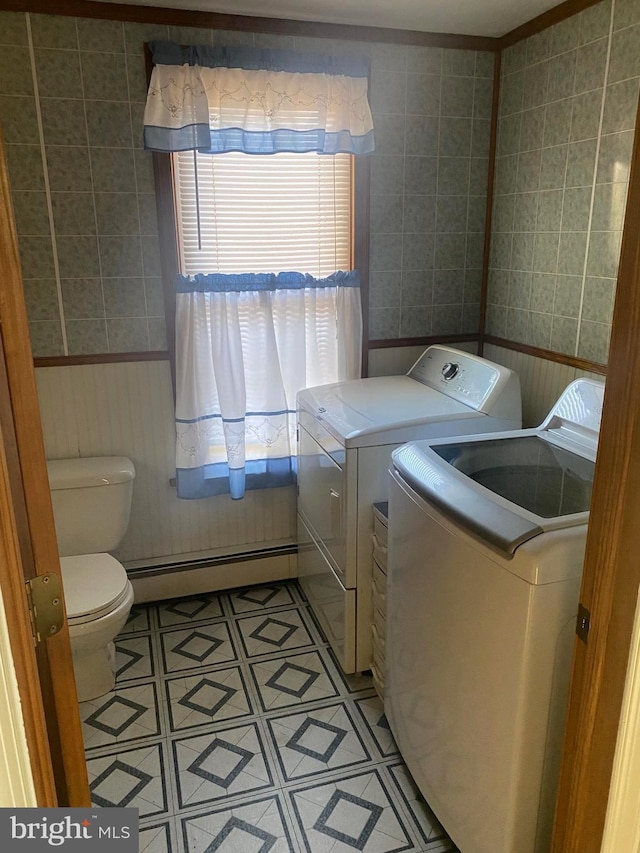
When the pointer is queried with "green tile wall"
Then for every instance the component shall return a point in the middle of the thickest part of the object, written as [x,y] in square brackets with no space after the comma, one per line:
[86,216]
[566,117]
[432,111]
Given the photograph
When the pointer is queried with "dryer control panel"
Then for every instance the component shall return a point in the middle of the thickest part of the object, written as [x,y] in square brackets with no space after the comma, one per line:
[463,376]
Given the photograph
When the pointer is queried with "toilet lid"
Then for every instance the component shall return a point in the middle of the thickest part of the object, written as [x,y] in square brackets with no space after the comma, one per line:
[92,583]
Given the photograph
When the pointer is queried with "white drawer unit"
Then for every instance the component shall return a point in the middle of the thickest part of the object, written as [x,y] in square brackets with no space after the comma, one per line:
[346,433]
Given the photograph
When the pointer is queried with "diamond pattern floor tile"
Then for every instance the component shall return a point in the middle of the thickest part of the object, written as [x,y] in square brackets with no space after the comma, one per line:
[155,839]
[198,608]
[134,658]
[316,741]
[133,778]
[139,620]
[197,646]
[127,713]
[372,712]
[269,633]
[275,752]
[292,680]
[355,812]
[260,598]
[228,763]
[255,827]
[200,700]
[429,829]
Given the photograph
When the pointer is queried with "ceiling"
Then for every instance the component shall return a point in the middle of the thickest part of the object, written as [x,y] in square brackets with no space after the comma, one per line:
[468,17]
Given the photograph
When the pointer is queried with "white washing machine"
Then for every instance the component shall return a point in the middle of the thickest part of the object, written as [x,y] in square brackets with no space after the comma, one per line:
[486,545]
[346,432]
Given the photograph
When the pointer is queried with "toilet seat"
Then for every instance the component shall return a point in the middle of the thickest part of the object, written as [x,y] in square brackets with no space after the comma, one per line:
[94,584]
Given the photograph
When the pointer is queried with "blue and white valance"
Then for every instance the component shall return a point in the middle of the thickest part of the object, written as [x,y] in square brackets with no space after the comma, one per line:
[245,345]
[218,99]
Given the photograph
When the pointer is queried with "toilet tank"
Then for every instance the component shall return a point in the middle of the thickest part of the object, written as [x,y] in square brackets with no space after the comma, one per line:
[91,499]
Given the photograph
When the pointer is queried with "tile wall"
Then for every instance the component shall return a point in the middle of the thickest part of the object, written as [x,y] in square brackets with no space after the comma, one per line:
[432,111]
[567,112]
[72,96]
[71,105]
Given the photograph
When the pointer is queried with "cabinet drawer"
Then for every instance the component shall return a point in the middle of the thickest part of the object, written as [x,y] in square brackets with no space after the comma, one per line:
[378,648]
[378,681]
[379,604]
[379,554]
[380,526]
[380,586]
[380,624]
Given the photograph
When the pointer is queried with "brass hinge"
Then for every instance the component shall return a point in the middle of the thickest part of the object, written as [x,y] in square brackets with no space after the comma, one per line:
[44,594]
[583,623]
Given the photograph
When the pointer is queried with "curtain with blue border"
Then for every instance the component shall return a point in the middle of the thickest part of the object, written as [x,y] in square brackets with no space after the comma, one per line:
[218,99]
[245,345]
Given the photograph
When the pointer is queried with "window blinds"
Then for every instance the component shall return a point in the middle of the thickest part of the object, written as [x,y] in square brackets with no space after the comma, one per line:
[241,213]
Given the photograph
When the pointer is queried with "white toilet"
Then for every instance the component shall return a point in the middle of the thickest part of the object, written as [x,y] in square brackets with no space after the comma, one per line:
[91,505]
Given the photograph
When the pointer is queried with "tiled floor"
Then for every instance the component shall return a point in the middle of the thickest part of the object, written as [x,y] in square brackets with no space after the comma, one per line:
[231,729]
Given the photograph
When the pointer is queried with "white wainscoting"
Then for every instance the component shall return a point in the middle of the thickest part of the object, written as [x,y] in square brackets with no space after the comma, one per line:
[127,409]
[393,361]
[542,381]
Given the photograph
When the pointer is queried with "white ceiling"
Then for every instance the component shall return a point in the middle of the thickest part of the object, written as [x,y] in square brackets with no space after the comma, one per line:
[469,17]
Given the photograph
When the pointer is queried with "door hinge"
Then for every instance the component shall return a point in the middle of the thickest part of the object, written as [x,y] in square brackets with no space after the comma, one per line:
[583,623]
[44,594]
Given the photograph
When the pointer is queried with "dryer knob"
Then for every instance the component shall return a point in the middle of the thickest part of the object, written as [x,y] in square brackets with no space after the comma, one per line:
[450,369]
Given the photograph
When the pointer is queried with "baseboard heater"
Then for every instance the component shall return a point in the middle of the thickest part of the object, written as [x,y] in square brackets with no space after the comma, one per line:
[209,562]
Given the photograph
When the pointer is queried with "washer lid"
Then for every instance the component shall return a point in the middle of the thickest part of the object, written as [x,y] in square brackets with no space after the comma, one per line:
[379,405]
[92,583]
[506,488]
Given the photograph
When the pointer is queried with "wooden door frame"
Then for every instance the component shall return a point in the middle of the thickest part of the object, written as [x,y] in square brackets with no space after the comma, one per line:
[611,577]
[57,748]
[21,641]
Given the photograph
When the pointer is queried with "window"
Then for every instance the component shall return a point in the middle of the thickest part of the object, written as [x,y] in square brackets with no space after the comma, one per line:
[267,296]
[266,305]
[242,213]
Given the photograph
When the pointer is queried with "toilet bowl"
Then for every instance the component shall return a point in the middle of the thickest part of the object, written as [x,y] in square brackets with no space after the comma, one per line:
[96,614]
[91,500]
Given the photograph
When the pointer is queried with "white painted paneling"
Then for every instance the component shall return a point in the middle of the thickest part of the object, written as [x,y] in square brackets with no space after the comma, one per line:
[542,381]
[393,361]
[127,409]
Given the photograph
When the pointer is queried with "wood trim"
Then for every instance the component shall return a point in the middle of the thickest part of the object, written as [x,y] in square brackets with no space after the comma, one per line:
[421,342]
[248,23]
[12,546]
[611,569]
[100,358]
[546,19]
[361,204]
[549,355]
[486,253]
[57,678]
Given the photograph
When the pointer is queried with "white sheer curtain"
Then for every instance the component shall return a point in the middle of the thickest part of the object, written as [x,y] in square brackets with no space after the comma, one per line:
[241,358]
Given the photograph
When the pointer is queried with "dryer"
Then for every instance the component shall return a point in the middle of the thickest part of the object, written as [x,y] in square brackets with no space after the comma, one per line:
[346,432]
[486,545]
